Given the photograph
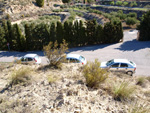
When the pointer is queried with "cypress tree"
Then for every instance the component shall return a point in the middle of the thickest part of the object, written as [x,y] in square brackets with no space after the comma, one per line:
[53,32]
[144,28]
[3,41]
[10,34]
[82,34]
[28,37]
[59,32]
[99,34]
[20,39]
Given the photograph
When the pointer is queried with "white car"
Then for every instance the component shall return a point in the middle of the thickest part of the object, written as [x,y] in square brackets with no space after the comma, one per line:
[75,58]
[120,65]
[30,59]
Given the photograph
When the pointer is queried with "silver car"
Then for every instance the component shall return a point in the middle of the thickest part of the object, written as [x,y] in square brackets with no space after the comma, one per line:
[120,65]
[30,59]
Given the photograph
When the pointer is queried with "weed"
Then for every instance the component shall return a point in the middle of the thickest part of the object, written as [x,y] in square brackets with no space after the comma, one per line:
[122,91]
[148,78]
[93,74]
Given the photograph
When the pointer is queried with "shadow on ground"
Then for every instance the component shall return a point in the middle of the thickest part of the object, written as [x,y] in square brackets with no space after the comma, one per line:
[134,45]
[18,54]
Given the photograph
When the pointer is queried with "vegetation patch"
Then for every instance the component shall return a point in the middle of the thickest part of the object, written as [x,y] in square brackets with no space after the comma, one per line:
[93,74]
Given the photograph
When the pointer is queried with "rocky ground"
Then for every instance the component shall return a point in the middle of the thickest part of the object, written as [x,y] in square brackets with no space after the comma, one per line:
[65,91]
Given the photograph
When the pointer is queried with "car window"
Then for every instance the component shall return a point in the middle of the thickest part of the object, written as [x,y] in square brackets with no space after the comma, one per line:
[30,59]
[115,65]
[124,65]
[109,62]
[23,59]
[81,58]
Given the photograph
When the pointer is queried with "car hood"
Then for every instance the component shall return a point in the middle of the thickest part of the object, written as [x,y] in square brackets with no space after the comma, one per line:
[103,65]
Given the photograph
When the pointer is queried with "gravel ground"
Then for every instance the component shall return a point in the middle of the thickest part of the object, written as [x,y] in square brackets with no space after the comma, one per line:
[130,48]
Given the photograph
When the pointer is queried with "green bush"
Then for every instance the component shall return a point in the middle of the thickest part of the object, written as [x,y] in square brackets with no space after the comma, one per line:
[133,4]
[40,3]
[125,4]
[112,3]
[93,74]
[132,14]
[119,3]
[131,21]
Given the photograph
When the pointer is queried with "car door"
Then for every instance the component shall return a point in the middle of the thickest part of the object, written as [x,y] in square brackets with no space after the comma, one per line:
[114,67]
[123,67]
[30,60]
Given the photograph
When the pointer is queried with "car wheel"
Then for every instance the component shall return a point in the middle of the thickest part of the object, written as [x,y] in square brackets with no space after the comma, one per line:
[130,73]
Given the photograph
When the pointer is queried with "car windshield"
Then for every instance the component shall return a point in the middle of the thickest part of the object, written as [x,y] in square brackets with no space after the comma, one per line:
[109,62]
[81,58]
[132,63]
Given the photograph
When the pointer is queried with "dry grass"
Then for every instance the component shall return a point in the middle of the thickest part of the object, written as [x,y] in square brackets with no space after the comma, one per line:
[141,81]
[94,75]
[21,75]
[51,78]
[139,107]
[122,90]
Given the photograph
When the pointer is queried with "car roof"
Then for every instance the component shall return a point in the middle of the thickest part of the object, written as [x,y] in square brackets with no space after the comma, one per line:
[73,56]
[30,55]
[121,60]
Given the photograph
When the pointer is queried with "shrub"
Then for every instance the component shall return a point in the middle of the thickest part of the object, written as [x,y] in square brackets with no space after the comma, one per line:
[131,21]
[133,4]
[54,53]
[112,3]
[21,75]
[122,91]
[119,3]
[125,3]
[93,74]
[40,3]
[132,14]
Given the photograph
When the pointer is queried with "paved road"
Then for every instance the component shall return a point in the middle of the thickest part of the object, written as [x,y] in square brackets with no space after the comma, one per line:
[130,48]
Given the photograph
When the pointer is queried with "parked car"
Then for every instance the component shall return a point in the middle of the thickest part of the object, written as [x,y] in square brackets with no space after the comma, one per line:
[120,65]
[30,59]
[75,58]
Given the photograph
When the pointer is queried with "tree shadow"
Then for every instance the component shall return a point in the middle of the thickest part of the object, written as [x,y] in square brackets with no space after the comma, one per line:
[90,47]
[134,45]
[19,54]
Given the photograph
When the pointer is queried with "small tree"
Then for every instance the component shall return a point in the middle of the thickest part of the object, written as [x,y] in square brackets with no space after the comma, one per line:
[66,1]
[55,53]
[40,3]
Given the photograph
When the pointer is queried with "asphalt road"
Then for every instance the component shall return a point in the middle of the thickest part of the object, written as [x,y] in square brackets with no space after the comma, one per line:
[130,48]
